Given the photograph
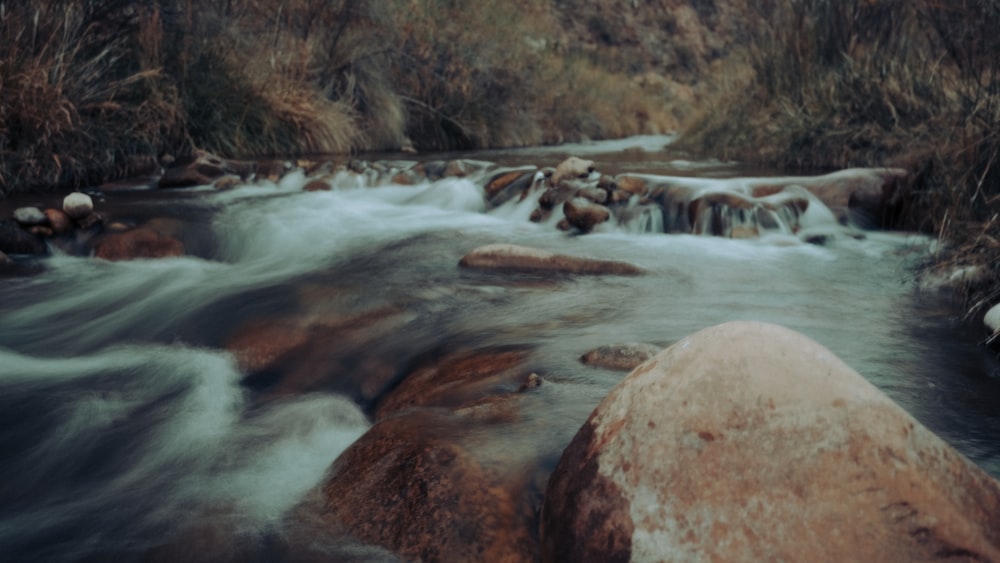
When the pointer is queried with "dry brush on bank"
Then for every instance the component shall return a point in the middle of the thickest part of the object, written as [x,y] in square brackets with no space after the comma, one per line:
[100,89]
[886,82]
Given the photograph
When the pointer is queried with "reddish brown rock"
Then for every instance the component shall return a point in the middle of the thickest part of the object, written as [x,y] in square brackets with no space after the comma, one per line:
[408,486]
[620,357]
[137,243]
[513,257]
[500,182]
[584,214]
[456,380]
[750,442]
[316,186]
[326,350]
[59,221]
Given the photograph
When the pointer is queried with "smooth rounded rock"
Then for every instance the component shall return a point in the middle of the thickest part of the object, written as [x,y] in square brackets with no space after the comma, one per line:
[513,257]
[30,216]
[59,221]
[992,318]
[750,442]
[16,240]
[407,485]
[78,205]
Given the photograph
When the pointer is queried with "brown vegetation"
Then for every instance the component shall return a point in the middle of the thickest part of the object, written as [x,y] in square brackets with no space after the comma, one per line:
[97,89]
[875,82]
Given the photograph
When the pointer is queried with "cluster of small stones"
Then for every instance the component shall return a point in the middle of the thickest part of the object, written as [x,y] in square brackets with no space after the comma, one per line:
[26,230]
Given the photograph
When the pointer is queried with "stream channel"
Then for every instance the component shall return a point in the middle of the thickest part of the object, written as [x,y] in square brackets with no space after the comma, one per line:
[126,422]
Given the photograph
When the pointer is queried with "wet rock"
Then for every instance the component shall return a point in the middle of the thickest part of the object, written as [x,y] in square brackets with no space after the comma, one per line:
[317,186]
[272,171]
[504,180]
[572,167]
[15,240]
[78,205]
[620,357]
[329,351]
[203,169]
[59,221]
[227,182]
[134,244]
[952,277]
[513,257]
[408,486]
[30,216]
[595,195]
[584,214]
[992,319]
[41,231]
[4,259]
[258,345]
[750,442]
[90,221]
[871,197]
[457,379]
[632,185]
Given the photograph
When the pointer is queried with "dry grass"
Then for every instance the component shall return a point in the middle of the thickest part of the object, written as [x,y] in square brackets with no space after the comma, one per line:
[876,82]
[92,87]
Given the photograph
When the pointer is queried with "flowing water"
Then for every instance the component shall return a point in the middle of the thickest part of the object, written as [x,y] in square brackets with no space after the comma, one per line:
[125,422]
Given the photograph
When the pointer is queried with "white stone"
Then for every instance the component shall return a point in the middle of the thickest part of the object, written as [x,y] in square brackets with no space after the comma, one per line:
[30,216]
[992,318]
[78,205]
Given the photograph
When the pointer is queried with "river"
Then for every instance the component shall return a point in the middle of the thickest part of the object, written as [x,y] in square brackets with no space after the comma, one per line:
[124,418]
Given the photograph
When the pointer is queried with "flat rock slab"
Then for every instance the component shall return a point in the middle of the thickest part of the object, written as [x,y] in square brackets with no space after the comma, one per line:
[620,357]
[523,258]
[750,442]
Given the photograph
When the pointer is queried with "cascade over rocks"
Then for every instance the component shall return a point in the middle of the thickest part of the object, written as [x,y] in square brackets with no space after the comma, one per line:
[750,442]
[513,257]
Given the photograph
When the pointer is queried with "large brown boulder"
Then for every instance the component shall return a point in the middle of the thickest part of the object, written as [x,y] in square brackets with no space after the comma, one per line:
[750,442]
[407,485]
[523,258]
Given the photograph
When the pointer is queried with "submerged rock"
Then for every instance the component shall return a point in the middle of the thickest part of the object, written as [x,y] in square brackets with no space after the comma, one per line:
[457,379]
[137,243]
[620,357]
[750,442]
[513,257]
